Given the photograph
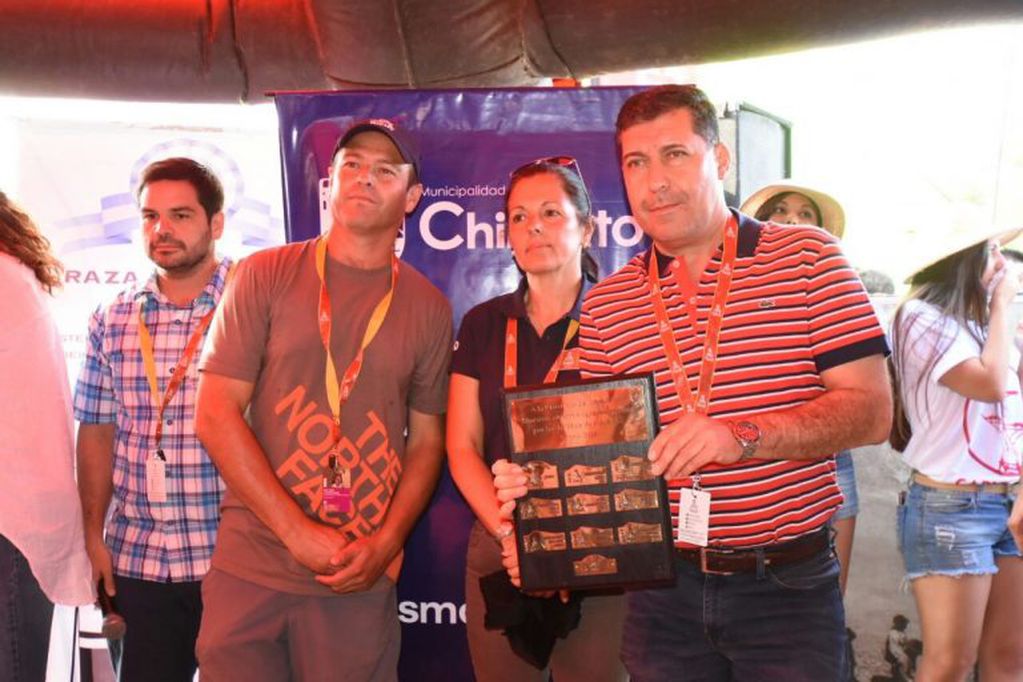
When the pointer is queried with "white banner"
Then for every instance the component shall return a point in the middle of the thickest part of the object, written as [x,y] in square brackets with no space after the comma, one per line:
[77,181]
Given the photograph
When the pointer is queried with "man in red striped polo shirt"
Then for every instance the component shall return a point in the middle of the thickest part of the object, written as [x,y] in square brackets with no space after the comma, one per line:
[768,359]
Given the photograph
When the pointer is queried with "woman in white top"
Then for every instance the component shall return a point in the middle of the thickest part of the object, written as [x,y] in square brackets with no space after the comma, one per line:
[959,525]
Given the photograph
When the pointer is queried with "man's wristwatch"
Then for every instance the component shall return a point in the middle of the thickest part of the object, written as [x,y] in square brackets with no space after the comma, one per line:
[748,434]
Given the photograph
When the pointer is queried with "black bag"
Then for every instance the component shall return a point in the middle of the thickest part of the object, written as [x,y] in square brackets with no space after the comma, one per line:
[532,624]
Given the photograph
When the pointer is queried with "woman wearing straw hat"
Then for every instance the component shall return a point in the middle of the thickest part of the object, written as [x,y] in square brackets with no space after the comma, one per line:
[960,524]
[795,204]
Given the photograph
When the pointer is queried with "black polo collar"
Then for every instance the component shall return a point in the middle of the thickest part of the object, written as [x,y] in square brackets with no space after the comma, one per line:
[514,304]
[749,237]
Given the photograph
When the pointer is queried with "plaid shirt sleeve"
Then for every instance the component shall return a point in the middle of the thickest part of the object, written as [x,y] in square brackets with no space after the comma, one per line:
[95,402]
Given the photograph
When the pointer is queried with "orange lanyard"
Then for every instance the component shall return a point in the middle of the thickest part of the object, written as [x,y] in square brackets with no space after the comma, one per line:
[701,400]
[146,347]
[567,358]
[338,392]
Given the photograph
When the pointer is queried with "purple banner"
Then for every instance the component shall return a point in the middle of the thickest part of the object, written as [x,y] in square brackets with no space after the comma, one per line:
[470,141]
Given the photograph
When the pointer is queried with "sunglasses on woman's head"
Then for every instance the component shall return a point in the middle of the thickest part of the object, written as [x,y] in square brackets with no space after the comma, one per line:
[564,161]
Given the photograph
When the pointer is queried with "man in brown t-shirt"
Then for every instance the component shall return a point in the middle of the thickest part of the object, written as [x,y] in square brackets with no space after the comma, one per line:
[320,357]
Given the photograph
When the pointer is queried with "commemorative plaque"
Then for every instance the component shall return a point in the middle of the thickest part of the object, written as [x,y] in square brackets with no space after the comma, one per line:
[595,515]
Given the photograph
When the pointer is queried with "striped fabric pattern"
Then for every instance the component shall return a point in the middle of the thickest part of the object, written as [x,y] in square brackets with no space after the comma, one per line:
[795,309]
[172,540]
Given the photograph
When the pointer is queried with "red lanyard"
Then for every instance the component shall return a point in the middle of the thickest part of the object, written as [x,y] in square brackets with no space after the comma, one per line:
[700,401]
[146,347]
[567,358]
[338,392]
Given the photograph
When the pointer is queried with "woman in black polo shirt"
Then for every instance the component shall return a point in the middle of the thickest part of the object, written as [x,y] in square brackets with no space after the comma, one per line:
[532,329]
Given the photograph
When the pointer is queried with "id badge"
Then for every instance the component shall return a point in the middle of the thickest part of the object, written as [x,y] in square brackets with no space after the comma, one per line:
[693,516]
[337,487]
[156,479]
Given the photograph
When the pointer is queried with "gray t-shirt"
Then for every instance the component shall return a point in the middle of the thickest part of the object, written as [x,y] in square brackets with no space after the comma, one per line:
[265,332]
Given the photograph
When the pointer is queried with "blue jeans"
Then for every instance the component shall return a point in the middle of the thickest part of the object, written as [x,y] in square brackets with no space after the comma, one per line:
[779,623]
[953,532]
[25,616]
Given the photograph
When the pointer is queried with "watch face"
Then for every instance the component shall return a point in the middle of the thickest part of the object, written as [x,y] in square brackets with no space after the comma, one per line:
[747,431]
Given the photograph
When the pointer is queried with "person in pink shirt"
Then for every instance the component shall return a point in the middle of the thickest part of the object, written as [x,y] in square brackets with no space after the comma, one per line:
[42,553]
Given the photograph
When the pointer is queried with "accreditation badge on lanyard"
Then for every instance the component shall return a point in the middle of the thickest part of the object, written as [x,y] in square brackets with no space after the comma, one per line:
[156,463]
[337,475]
[568,358]
[694,503]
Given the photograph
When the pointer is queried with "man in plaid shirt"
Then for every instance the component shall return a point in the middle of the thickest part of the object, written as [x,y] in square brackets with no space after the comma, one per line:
[137,447]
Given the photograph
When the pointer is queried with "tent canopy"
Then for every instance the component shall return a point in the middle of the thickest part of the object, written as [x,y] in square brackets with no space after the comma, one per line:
[238,50]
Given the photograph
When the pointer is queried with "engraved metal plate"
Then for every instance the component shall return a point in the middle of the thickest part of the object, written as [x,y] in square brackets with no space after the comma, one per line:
[581,474]
[619,414]
[634,533]
[541,475]
[539,508]
[544,541]
[630,468]
[585,537]
[630,499]
[595,564]
[587,503]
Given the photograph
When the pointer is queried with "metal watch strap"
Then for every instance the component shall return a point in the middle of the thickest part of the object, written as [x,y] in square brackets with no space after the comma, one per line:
[748,436]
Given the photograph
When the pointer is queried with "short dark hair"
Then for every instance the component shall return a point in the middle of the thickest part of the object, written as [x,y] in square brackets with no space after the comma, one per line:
[650,104]
[207,185]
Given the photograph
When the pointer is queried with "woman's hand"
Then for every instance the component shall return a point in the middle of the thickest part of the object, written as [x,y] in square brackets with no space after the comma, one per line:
[1016,521]
[509,484]
[1005,285]
[510,559]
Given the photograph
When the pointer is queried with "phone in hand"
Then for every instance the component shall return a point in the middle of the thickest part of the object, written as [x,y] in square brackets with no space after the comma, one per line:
[114,625]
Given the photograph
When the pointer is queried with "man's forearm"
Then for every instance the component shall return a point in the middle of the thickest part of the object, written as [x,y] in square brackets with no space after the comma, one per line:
[424,457]
[835,421]
[476,484]
[995,354]
[244,467]
[95,457]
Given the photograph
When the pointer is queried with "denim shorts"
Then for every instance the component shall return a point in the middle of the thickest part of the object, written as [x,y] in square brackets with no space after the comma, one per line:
[846,473]
[953,532]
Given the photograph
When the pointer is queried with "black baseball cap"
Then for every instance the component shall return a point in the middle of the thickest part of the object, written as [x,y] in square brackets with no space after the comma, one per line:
[403,141]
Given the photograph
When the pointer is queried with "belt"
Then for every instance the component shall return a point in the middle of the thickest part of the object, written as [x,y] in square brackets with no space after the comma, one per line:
[724,561]
[996,488]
